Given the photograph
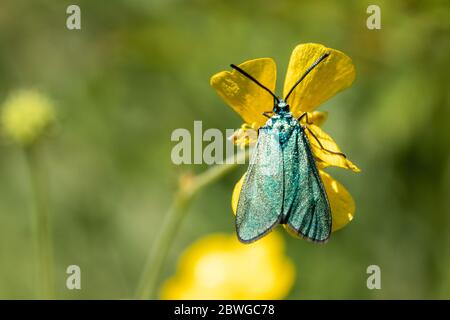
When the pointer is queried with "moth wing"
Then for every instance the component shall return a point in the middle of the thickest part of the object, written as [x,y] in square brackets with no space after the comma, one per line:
[306,206]
[243,95]
[260,202]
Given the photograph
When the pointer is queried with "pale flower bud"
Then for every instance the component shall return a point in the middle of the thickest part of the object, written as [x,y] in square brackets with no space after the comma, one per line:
[26,115]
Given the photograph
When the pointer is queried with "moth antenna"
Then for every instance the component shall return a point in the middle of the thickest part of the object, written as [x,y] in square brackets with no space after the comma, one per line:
[255,81]
[321,58]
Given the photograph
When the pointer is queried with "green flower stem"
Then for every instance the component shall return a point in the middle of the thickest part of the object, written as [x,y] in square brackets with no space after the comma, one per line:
[189,186]
[41,223]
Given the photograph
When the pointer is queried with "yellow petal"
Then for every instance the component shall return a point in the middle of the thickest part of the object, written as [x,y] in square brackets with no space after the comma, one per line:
[320,164]
[315,117]
[332,75]
[329,158]
[242,94]
[318,117]
[236,193]
[341,202]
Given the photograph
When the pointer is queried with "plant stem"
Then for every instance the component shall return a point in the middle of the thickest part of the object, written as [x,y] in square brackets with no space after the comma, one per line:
[189,186]
[41,223]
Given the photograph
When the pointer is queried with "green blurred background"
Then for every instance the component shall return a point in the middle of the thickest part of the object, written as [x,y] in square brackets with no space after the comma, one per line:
[139,69]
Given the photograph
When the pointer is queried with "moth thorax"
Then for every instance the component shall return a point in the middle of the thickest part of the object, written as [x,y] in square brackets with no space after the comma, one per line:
[282,126]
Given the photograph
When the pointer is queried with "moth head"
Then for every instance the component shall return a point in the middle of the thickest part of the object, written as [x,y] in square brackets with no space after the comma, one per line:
[281,107]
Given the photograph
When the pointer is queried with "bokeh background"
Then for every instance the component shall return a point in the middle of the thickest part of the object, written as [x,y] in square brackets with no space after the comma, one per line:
[139,69]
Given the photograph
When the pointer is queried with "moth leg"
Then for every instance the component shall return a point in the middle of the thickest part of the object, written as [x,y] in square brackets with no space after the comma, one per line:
[320,143]
[267,114]
[304,114]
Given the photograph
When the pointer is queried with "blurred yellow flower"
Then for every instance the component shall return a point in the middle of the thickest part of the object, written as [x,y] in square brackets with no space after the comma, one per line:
[333,75]
[26,115]
[218,266]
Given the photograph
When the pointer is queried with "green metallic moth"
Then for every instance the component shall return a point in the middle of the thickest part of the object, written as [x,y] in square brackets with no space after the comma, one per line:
[282,184]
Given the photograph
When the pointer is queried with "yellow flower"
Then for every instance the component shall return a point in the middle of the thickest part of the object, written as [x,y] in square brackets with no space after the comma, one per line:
[26,115]
[334,74]
[218,266]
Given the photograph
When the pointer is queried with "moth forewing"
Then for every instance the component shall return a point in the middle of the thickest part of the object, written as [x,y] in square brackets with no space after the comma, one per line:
[307,210]
[271,155]
[260,201]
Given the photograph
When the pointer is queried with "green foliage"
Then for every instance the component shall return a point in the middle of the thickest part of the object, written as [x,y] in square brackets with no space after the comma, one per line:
[139,69]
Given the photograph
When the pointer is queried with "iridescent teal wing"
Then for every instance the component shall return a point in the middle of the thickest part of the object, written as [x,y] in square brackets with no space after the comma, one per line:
[260,202]
[306,209]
